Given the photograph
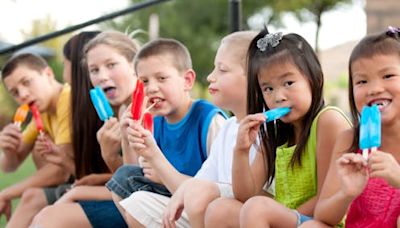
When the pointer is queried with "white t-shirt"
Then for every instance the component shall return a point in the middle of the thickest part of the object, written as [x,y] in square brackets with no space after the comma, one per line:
[218,166]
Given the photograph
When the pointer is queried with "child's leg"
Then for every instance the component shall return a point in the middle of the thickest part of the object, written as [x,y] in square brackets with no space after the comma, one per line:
[314,224]
[261,211]
[223,212]
[196,199]
[398,222]
[132,222]
[32,201]
[62,215]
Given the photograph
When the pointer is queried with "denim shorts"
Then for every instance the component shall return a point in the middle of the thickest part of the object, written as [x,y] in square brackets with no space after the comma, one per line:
[103,214]
[129,179]
[301,218]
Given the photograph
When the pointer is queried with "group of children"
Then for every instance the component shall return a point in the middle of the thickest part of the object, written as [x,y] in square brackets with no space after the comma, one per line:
[194,167]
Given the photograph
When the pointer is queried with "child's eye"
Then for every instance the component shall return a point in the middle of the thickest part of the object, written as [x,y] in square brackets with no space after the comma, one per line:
[26,82]
[288,83]
[162,78]
[93,71]
[267,89]
[387,76]
[360,82]
[111,65]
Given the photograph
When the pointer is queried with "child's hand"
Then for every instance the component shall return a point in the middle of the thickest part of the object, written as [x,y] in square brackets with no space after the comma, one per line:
[142,141]
[174,210]
[149,172]
[109,138]
[44,145]
[248,131]
[352,170]
[5,207]
[10,138]
[126,121]
[385,166]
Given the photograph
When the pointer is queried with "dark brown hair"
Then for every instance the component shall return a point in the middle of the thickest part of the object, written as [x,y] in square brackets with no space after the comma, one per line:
[85,123]
[292,49]
[29,60]
[387,43]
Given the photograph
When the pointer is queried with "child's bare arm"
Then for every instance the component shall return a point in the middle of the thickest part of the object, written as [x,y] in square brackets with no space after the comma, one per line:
[329,126]
[335,199]
[247,180]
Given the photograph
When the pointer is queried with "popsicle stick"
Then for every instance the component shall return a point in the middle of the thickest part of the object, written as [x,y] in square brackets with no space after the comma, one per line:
[365,154]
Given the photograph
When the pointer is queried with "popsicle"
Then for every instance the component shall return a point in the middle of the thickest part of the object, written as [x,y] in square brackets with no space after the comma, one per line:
[20,114]
[148,121]
[370,129]
[101,104]
[276,113]
[38,120]
[137,101]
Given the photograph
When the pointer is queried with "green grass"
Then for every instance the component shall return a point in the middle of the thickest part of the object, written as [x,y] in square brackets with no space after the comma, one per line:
[7,179]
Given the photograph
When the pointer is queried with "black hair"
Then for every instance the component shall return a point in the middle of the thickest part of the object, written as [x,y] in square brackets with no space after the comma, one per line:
[293,49]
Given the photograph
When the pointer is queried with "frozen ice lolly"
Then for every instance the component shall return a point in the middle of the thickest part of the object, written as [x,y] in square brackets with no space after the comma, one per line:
[20,114]
[101,104]
[370,129]
[148,121]
[137,101]
[36,117]
[276,113]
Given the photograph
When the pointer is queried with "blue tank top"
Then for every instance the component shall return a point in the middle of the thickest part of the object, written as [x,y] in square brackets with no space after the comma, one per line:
[184,144]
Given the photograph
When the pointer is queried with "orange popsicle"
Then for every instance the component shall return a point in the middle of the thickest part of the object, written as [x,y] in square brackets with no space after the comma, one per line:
[20,114]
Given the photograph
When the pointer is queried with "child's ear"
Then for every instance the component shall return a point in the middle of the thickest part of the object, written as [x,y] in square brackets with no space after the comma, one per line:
[190,78]
[48,72]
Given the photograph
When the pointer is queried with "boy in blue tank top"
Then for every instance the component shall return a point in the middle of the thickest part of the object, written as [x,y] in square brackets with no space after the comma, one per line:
[183,128]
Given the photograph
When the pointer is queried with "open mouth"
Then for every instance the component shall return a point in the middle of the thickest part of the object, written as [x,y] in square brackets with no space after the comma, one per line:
[380,103]
[109,91]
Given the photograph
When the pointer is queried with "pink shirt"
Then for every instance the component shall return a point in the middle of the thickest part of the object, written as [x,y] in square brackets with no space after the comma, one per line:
[377,206]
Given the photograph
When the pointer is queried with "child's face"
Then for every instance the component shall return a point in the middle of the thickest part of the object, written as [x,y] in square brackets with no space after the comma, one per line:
[376,80]
[227,80]
[283,85]
[29,86]
[112,72]
[165,84]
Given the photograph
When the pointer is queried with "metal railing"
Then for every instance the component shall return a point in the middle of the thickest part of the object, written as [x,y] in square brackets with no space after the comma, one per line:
[79,26]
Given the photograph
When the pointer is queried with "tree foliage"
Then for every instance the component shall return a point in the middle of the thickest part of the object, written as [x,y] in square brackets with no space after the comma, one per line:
[200,24]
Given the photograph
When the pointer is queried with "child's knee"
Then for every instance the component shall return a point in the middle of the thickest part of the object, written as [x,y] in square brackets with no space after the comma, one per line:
[199,196]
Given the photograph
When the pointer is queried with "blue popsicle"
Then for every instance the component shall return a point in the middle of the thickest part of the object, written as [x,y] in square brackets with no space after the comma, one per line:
[101,104]
[276,113]
[370,129]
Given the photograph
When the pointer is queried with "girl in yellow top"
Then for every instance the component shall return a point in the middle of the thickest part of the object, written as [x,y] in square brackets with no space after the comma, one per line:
[283,71]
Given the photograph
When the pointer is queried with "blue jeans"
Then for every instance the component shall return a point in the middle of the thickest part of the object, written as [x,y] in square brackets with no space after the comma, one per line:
[103,214]
[129,179]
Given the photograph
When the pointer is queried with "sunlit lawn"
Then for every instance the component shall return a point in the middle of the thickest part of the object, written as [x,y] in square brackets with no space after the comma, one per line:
[7,179]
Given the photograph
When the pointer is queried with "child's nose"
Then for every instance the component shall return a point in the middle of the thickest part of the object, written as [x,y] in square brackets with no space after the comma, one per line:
[23,95]
[102,76]
[279,96]
[210,77]
[151,87]
[375,88]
